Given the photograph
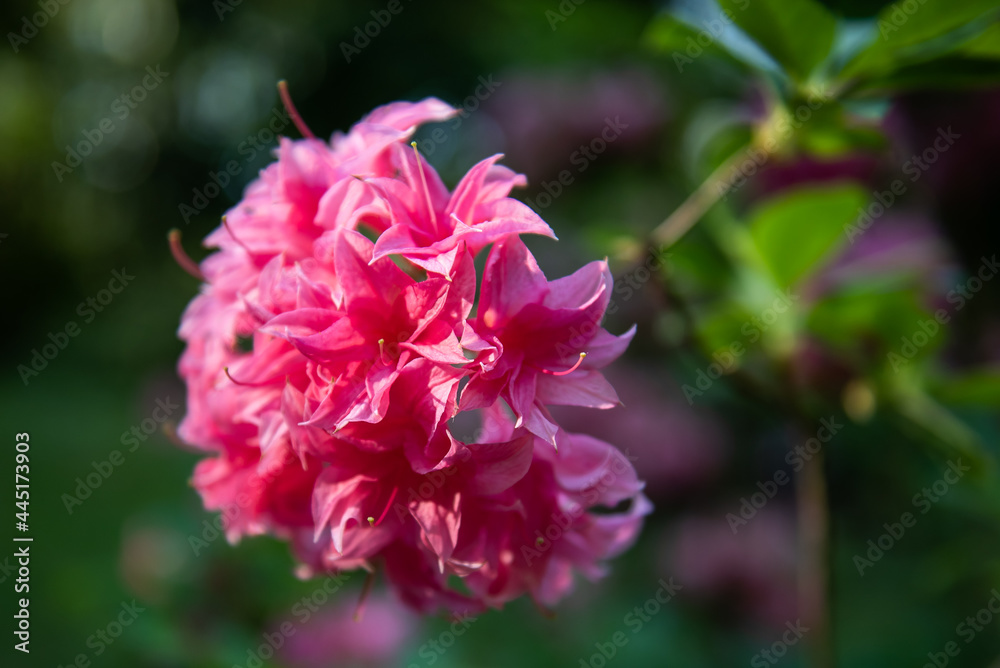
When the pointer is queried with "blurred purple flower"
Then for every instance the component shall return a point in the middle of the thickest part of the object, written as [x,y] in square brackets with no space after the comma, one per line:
[779,175]
[904,250]
[673,447]
[750,573]
[546,116]
[332,637]
[898,252]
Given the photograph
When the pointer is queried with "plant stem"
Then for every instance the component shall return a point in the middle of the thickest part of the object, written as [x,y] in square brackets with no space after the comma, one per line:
[813,507]
[700,201]
[814,543]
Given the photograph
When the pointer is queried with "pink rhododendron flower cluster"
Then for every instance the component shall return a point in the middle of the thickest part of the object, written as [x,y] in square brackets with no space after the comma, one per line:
[324,370]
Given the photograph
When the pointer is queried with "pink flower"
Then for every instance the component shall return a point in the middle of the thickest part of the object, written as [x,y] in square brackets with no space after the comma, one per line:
[540,342]
[429,225]
[548,117]
[385,319]
[526,537]
[324,370]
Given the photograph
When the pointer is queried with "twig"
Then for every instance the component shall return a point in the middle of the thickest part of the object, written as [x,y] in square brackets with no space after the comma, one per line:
[814,538]
[700,201]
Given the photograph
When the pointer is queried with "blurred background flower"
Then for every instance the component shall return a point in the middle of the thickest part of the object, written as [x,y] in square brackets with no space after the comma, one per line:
[742,575]
[339,637]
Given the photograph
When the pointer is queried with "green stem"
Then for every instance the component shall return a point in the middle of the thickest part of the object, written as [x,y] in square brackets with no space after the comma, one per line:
[700,201]
[814,544]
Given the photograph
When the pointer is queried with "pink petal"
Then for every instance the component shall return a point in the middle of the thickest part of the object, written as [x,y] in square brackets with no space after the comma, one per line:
[579,289]
[349,201]
[335,500]
[439,525]
[481,392]
[605,348]
[468,192]
[499,465]
[580,388]
[365,284]
[511,279]
[437,343]
[407,115]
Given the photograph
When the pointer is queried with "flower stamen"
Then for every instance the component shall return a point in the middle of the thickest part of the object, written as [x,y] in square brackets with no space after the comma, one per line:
[230,377]
[181,257]
[381,352]
[392,497]
[170,431]
[569,370]
[423,183]
[286,99]
[225,224]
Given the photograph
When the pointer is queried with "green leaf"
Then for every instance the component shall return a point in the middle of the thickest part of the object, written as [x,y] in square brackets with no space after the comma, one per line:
[978,388]
[944,73]
[666,34]
[795,231]
[797,33]
[719,326]
[932,19]
[934,29]
[698,267]
[867,323]
[985,45]
[831,142]
[946,431]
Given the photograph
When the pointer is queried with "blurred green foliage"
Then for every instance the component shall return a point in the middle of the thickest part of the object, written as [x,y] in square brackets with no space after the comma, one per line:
[797,111]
